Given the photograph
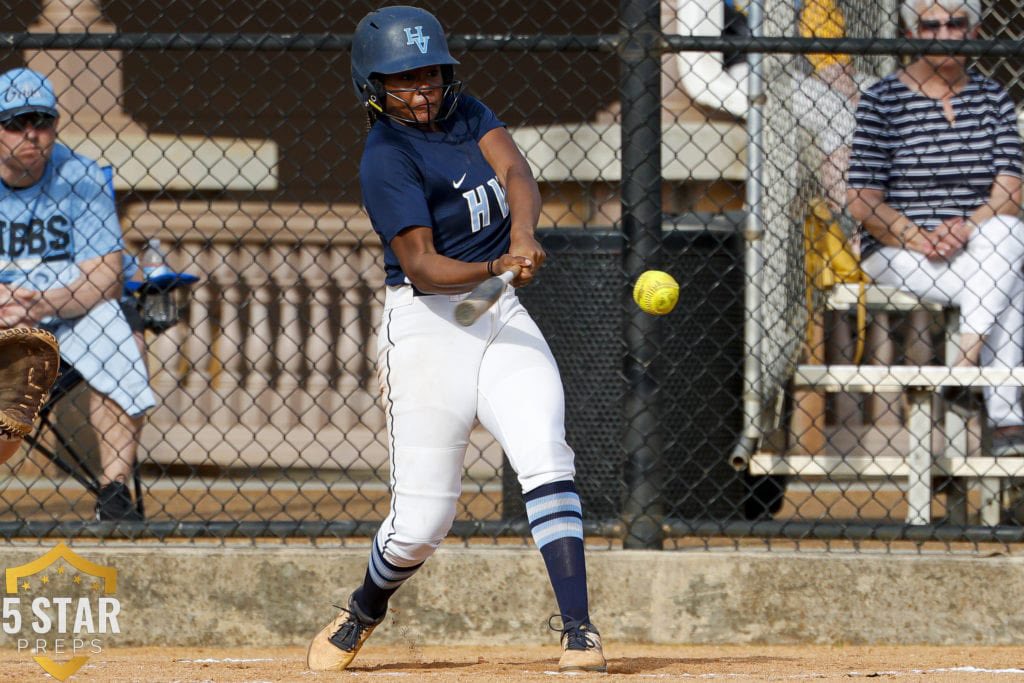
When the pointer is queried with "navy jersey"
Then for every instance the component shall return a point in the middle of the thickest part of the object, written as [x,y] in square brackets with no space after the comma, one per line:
[439,180]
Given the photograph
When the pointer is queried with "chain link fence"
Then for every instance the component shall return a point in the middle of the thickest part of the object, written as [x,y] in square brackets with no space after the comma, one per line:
[662,135]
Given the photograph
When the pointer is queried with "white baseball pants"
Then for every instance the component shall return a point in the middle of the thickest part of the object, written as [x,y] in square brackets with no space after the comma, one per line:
[437,378]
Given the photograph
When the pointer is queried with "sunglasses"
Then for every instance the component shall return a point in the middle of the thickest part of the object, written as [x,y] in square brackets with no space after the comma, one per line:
[38,121]
[953,24]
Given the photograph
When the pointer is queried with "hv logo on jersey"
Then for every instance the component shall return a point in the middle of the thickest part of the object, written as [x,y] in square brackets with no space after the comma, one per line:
[416,37]
[479,205]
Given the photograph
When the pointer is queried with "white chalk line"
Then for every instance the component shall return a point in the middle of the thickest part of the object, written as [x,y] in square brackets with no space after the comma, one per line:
[702,676]
[806,675]
[225,660]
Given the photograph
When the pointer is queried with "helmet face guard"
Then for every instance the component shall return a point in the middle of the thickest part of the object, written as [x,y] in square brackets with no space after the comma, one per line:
[394,107]
[393,40]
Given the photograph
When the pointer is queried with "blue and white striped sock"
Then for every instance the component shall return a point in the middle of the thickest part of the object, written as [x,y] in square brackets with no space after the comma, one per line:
[556,522]
[380,583]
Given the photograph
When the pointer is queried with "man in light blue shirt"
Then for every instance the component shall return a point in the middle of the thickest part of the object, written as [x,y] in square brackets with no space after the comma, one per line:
[61,268]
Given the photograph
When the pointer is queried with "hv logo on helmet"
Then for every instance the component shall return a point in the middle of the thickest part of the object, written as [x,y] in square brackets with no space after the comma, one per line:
[58,606]
[417,38]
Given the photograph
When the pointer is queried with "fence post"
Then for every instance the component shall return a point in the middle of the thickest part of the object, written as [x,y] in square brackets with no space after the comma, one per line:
[640,96]
[754,411]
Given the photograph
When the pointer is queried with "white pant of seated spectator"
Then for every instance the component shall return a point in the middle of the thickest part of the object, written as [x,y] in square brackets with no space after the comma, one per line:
[101,346]
[987,283]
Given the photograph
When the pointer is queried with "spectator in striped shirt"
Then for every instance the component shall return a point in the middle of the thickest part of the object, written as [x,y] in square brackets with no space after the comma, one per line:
[935,181]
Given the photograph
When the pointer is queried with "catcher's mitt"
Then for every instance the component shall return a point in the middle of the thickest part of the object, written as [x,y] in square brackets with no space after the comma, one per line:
[29,362]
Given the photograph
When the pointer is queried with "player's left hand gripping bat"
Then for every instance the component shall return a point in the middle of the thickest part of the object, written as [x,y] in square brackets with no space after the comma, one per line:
[482,297]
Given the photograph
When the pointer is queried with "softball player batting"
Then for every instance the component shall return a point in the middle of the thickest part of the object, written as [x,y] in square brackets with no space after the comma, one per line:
[454,202]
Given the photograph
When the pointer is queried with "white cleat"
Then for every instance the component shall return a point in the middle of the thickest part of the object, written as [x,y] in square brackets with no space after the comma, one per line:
[338,643]
[581,648]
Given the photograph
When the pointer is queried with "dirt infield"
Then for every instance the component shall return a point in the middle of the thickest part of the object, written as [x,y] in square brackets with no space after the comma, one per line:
[626,662]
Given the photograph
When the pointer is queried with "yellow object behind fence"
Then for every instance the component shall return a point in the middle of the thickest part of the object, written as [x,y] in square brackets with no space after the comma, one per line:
[823,19]
[830,261]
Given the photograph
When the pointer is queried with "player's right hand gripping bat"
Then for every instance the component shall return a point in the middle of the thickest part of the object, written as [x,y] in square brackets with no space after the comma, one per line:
[483,297]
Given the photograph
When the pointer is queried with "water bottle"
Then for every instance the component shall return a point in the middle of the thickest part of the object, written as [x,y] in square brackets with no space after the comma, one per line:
[152,261]
[159,310]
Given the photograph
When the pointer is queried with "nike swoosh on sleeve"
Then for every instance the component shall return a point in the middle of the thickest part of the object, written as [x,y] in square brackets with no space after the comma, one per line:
[458,183]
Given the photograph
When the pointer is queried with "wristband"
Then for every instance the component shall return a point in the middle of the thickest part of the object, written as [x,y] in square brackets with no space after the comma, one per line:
[490,268]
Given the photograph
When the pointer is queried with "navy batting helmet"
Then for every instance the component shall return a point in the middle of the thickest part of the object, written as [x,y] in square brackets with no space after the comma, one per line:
[393,40]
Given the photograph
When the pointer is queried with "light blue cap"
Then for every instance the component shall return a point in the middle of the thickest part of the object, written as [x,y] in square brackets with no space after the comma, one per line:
[23,91]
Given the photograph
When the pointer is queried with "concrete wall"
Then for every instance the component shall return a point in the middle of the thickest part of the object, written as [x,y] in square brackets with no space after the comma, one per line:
[280,596]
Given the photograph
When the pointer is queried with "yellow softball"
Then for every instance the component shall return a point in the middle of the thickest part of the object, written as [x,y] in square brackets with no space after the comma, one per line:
[656,292]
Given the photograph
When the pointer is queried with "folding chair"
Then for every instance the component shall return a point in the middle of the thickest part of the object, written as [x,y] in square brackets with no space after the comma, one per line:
[138,303]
